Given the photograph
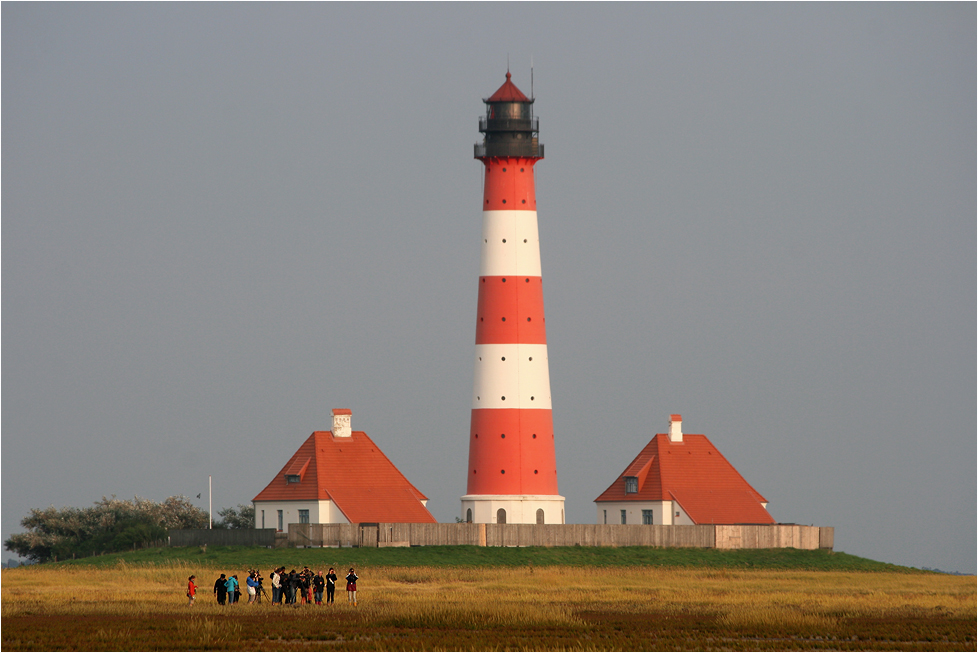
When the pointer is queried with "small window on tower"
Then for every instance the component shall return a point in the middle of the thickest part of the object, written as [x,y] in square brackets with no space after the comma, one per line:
[631,484]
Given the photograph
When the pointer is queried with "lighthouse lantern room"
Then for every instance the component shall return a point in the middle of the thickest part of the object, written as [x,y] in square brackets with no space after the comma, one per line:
[512,471]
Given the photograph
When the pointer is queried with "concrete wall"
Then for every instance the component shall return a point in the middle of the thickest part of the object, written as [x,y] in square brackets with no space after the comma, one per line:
[222,537]
[519,509]
[826,537]
[703,536]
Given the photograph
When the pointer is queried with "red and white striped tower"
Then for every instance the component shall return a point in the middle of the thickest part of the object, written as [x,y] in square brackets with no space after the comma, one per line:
[512,473]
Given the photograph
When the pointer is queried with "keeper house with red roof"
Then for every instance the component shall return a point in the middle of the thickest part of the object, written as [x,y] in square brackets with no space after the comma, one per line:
[338,477]
[681,479]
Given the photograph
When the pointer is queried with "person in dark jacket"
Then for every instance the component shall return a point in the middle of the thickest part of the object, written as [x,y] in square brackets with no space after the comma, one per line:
[291,585]
[221,589]
[306,585]
[330,586]
[351,587]
[318,585]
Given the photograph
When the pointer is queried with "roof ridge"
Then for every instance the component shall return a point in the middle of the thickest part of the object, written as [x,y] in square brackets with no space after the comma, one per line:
[719,453]
[381,452]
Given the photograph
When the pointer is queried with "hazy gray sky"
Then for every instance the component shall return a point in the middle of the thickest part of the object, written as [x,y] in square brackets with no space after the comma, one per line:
[222,220]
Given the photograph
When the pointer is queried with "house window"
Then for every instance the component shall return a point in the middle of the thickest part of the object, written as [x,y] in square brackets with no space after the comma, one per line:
[631,484]
[291,478]
[303,516]
[606,516]
[263,519]
[468,516]
[647,517]
[623,517]
[539,515]
[500,516]
[280,520]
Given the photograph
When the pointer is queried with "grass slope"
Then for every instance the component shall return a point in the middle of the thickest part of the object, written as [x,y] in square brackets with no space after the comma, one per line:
[475,556]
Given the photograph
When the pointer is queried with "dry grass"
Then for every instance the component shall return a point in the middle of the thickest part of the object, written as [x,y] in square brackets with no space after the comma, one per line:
[144,608]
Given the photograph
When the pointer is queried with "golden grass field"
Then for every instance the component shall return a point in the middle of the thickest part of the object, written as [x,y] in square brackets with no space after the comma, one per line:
[131,607]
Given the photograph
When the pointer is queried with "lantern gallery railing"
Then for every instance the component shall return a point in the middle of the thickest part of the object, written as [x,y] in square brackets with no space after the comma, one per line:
[531,149]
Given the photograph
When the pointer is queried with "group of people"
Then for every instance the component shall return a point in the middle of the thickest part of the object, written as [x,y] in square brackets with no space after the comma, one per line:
[227,590]
[290,588]
[294,588]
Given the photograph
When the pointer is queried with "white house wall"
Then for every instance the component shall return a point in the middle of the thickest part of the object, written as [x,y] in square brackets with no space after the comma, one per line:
[663,512]
[320,512]
[633,511]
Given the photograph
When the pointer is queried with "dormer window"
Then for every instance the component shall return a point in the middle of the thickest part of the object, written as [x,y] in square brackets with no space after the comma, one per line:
[631,484]
[291,478]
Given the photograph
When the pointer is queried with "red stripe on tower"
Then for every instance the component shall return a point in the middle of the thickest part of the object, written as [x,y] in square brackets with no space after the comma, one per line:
[512,472]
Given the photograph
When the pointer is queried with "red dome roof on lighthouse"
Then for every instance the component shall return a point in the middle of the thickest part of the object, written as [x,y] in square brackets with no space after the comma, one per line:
[508,92]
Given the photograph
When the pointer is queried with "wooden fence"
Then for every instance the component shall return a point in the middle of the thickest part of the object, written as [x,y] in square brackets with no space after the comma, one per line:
[766,536]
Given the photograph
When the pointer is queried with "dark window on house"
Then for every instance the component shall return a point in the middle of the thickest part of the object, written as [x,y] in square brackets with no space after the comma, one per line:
[500,516]
[623,517]
[606,516]
[468,516]
[539,515]
[291,478]
[303,516]
[647,517]
[279,520]
[631,484]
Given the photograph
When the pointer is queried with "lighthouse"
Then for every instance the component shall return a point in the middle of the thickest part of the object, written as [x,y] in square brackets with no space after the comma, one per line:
[512,471]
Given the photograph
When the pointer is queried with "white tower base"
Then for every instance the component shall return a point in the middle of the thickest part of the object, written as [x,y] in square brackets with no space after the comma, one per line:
[518,508]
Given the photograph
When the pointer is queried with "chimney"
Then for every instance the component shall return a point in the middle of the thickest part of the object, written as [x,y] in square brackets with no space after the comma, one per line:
[341,422]
[675,428]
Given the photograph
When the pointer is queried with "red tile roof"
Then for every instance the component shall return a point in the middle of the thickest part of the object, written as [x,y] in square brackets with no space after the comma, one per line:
[353,473]
[697,476]
[508,92]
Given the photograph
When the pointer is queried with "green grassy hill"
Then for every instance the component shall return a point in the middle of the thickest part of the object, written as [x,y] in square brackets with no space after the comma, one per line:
[474,556]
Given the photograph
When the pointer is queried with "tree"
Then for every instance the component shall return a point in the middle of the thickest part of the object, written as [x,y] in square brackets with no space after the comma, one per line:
[240,517]
[110,525]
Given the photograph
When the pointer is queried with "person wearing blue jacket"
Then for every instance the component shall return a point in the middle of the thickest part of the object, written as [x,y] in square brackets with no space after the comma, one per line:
[233,592]
[252,587]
